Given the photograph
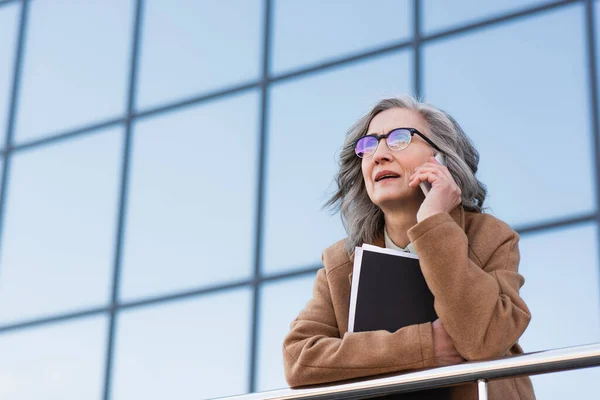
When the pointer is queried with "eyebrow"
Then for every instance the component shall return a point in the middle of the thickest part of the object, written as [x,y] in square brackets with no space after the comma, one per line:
[388,131]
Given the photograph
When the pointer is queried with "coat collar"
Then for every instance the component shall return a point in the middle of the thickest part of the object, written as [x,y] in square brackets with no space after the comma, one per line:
[458,215]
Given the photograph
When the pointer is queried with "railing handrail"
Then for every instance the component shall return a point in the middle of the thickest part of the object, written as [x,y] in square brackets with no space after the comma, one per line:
[565,359]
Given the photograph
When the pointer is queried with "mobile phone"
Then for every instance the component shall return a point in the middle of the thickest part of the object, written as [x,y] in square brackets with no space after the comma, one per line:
[426,186]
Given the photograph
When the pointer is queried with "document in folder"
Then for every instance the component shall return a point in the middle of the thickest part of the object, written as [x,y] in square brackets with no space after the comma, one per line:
[388,291]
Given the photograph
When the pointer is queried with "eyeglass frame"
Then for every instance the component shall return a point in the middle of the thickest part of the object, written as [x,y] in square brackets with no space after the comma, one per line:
[386,135]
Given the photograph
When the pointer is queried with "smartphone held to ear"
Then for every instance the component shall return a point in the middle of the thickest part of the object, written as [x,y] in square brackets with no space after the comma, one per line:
[426,186]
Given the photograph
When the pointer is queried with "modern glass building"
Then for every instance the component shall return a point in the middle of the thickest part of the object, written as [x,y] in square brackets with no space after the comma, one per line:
[164,165]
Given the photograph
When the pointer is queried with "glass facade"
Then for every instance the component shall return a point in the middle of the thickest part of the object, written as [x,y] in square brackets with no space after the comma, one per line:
[163,167]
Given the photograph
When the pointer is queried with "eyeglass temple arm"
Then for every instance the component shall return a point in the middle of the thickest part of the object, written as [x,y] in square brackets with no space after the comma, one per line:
[427,140]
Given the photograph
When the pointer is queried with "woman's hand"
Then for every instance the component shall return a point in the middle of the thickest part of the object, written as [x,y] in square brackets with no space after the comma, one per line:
[444,351]
[444,195]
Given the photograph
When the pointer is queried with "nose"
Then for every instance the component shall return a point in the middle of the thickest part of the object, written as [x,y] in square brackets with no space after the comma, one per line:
[382,153]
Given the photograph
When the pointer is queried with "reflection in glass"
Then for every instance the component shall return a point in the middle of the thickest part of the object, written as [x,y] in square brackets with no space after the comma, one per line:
[275,319]
[191,209]
[504,92]
[596,22]
[561,290]
[442,14]
[308,121]
[63,361]
[189,349]
[9,24]
[60,222]
[75,66]
[321,30]
[192,47]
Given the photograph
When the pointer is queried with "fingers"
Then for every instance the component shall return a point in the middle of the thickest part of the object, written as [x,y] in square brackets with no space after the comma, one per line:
[445,361]
[430,166]
[440,169]
[417,178]
[438,174]
[423,173]
[435,177]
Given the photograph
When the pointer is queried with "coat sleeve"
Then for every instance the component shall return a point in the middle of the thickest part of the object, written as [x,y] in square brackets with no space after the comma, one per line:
[314,352]
[479,305]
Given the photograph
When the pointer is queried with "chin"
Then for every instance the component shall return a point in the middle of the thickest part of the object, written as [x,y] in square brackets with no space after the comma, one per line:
[392,200]
[388,199]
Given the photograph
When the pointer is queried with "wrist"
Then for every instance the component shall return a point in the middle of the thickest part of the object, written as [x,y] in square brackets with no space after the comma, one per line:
[424,214]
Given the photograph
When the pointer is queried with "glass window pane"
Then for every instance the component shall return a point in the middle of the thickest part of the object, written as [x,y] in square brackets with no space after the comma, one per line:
[320,30]
[596,8]
[275,319]
[192,349]
[192,197]
[501,85]
[561,279]
[59,227]
[307,125]
[442,14]
[191,47]
[9,26]
[76,65]
[63,361]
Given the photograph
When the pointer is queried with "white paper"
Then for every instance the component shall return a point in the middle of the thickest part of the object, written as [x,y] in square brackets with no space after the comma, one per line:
[354,287]
[393,252]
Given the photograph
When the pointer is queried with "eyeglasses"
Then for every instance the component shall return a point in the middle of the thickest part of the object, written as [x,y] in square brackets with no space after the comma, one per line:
[396,139]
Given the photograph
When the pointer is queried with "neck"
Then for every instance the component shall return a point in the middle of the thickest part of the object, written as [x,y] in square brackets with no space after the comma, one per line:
[399,221]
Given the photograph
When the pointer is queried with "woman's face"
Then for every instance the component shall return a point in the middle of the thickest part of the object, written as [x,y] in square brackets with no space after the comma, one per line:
[390,192]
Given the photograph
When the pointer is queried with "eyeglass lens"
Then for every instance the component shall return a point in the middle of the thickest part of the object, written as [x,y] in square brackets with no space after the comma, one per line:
[397,139]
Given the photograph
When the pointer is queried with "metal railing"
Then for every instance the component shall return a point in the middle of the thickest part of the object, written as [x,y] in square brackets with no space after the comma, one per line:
[569,358]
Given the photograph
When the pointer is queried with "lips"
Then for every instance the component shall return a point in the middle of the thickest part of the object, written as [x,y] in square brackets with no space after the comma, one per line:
[386,175]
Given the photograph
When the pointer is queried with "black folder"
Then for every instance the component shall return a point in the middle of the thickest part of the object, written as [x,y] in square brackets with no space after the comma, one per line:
[391,291]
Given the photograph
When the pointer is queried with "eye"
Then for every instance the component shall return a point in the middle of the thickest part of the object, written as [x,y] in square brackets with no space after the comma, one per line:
[365,146]
[399,139]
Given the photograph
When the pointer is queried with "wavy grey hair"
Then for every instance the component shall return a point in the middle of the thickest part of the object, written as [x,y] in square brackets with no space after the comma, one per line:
[362,219]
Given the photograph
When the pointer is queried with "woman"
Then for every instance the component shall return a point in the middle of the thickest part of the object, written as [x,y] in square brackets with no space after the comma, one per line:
[469,259]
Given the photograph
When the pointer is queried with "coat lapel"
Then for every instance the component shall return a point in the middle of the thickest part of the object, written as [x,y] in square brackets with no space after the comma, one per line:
[458,215]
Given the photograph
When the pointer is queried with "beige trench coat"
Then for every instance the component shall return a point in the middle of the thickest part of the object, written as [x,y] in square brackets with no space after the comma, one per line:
[470,262]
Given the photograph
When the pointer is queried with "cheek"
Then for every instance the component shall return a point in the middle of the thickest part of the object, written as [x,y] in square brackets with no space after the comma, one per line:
[416,157]
[366,174]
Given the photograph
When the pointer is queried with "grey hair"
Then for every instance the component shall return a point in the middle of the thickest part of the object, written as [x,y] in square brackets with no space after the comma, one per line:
[362,219]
